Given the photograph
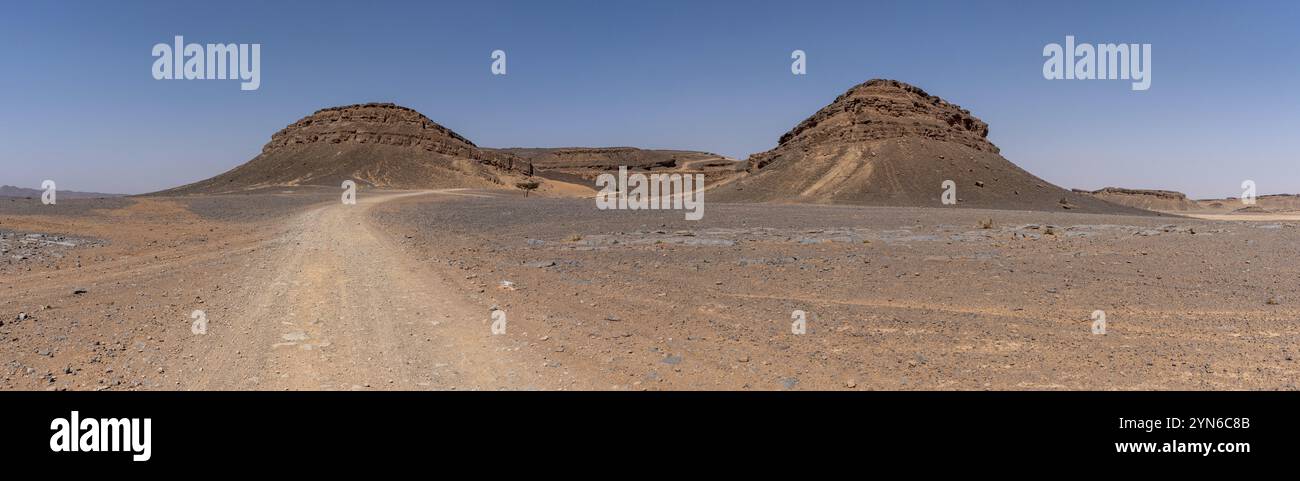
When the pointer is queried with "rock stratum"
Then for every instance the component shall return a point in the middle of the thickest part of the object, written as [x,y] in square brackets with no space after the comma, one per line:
[376,144]
[885,142]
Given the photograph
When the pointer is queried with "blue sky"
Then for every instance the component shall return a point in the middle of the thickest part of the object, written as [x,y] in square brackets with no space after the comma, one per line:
[80,106]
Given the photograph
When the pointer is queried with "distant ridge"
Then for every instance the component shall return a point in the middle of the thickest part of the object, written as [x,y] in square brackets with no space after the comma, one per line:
[23,192]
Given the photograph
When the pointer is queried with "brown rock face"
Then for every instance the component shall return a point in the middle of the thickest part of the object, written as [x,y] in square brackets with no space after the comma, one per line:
[885,142]
[379,144]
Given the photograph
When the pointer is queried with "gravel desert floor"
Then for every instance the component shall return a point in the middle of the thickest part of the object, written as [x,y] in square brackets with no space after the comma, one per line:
[299,291]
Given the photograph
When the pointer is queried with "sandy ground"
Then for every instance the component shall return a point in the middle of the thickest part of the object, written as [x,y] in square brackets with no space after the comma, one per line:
[1276,217]
[396,292]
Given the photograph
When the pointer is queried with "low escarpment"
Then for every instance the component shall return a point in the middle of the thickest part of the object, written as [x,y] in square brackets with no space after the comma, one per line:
[1149,199]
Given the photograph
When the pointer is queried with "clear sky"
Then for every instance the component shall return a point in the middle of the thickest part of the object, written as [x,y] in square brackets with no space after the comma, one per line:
[78,103]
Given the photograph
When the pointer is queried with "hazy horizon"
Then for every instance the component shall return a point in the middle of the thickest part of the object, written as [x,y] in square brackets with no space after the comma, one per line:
[83,109]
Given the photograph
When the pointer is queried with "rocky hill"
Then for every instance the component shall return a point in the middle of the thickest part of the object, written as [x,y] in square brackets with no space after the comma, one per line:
[376,144]
[885,142]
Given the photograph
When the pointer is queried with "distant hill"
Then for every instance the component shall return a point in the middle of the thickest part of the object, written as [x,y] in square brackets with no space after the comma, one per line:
[1178,203]
[12,191]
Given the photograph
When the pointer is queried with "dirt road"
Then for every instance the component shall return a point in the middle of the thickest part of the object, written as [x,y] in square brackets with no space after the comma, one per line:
[340,308]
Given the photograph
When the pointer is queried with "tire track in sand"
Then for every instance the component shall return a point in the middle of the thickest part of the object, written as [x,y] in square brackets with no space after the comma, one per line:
[342,308]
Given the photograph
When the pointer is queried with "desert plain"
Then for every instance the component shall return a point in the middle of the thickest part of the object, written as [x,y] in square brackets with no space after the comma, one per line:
[301,291]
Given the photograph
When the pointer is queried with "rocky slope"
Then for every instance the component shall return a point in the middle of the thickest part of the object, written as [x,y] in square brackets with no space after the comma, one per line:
[376,144]
[885,142]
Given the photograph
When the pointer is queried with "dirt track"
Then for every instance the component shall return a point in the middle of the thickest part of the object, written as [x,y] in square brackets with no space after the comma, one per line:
[341,309]
[318,301]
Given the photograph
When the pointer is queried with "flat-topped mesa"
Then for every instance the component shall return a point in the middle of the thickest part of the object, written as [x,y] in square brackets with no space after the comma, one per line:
[385,124]
[884,109]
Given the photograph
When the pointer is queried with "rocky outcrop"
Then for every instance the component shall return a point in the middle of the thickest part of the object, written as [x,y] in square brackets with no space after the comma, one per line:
[376,144]
[883,109]
[386,124]
[1149,199]
[885,142]
[1159,194]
